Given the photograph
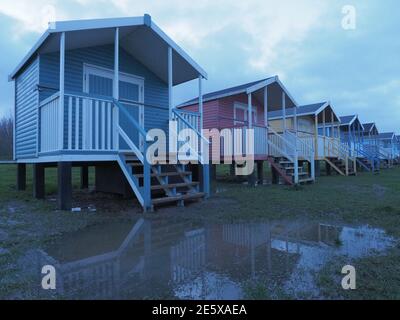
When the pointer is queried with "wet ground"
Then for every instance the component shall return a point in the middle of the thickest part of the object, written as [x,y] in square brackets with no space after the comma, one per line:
[160,258]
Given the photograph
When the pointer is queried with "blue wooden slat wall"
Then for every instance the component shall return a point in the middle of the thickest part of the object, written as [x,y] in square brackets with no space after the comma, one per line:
[155,90]
[26,106]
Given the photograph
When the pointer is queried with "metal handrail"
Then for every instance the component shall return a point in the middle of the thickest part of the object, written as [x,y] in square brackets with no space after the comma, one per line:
[130,118]
[190,125]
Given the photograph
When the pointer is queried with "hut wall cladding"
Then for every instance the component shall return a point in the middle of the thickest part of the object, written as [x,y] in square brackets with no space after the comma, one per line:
[219,113]
[210,113]
[26,111]
[226,110]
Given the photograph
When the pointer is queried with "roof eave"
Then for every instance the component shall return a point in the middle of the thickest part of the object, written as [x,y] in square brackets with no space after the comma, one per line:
[30,53]
[261,84]
[78,25]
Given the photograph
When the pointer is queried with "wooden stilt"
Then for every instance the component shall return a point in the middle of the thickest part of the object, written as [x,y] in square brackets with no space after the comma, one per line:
[21,176]
[275,175]
[84,177]
[64,186]
[38,181]
[260,172]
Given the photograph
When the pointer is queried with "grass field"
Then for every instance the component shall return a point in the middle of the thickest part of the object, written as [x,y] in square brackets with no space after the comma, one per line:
[365,199]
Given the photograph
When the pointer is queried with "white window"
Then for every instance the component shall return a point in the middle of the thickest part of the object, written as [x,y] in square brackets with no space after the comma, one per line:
[240,114]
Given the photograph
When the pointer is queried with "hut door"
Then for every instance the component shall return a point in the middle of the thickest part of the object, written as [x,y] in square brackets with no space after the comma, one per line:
[99,82]
[131,96]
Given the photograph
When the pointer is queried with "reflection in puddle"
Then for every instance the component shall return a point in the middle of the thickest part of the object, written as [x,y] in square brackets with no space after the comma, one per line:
[159,259]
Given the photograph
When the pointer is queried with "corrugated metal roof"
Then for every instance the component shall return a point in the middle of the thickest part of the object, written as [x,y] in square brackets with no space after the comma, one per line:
[160,39]
[302,110]
[224,93]
[368,126]
[346,120]
[386,135]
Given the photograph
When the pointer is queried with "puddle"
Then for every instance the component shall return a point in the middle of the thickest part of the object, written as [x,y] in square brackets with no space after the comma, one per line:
[187,260]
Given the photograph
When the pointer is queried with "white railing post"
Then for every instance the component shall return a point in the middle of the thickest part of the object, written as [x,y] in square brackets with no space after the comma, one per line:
[284,112]
[201,124]
[266,117]
[115,91]
[170,82]
[115,129]
[62,91]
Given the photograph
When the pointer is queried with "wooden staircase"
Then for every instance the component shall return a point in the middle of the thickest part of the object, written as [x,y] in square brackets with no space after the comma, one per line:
[286,168]
[170,183]
[339,165]
[366,164]
[153,183]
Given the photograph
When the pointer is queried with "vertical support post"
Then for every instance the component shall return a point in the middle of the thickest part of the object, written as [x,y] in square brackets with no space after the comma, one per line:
[266,117]
[275,175]
[296,166]
[251,177]
[38,181]
[64,186]
[203,151]
[312,167]
[333,126]
[62,92]
[316,137]
[146,182]
[21,176]
[317,166]
[85,176]
[260,172]
[116,65]
[116,91]
[201,124]
[170,82]
[350,136]
[324,134]
[232,170]
[213,168]
[283,112]
[328,169]
[249,111]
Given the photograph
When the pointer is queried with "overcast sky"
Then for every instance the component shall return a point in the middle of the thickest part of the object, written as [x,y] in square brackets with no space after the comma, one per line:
[302,41]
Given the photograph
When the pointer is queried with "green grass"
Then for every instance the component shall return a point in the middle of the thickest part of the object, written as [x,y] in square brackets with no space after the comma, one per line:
[367,197]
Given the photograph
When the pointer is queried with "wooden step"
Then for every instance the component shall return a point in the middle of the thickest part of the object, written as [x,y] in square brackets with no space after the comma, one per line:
[166,174]
[134,164]
[292,169]
[174,185]
[300,174]
[187,196]
[308,180]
